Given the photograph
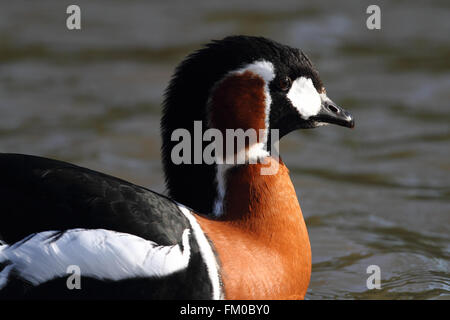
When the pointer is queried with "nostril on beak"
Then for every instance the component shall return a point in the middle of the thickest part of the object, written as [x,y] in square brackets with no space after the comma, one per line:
[333,108]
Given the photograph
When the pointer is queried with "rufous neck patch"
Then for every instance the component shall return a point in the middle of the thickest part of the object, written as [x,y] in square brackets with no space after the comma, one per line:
[239,102]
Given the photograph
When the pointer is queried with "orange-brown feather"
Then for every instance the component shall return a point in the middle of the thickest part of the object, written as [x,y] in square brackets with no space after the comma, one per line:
[261,238]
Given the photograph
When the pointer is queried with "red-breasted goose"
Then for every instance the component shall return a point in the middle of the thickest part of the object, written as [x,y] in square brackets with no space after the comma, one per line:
[225,230]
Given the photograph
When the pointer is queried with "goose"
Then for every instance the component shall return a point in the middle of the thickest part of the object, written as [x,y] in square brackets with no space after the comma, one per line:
[225,230]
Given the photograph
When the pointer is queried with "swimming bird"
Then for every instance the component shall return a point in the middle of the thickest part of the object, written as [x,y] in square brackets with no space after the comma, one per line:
[225,230]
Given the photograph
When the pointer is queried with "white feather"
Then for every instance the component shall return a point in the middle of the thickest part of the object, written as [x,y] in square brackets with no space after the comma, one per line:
[262,68]
[304,97]
[98,253]
[257,151]
[207,253]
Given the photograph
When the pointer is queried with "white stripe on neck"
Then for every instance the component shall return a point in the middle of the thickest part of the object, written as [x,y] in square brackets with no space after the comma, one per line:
[257,151]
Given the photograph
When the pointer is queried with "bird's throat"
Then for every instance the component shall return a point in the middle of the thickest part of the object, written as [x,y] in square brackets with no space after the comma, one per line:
[261,235]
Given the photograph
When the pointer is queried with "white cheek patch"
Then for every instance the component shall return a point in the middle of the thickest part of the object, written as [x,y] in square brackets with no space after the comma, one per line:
[304,97]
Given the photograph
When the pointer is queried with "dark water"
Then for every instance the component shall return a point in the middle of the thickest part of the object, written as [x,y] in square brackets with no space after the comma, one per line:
[376,195]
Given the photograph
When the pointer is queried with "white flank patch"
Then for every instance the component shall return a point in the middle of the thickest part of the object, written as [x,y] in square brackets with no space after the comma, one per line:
[4,275]
[207,253]
[266,71]
[99,253]
[304,97]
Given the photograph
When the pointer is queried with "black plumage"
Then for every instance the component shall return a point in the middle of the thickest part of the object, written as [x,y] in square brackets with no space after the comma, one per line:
[186,100]
[39,194]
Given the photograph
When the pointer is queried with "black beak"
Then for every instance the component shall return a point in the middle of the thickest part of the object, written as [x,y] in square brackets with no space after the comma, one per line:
[332,113]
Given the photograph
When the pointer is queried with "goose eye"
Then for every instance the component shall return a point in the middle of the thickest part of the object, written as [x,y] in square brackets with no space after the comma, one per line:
[285,83]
